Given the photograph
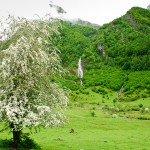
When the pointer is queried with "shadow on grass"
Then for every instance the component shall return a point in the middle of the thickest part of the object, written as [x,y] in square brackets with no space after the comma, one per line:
[26,143]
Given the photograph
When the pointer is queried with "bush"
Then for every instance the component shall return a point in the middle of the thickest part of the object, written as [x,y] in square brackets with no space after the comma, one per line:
[135,108]
[140,105]
[86,92]
[143,118]
[144,95]
[93,114]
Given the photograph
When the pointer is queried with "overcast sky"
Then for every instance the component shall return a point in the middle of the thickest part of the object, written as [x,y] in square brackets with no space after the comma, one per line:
[95,11]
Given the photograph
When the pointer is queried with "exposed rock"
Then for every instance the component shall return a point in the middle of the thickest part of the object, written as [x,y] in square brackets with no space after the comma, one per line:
[146,110]
[130,20]
[114,116]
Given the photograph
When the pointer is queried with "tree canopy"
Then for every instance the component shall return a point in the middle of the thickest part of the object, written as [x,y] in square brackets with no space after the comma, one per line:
[28,98]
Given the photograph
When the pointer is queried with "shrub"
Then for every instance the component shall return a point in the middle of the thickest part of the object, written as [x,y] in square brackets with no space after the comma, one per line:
[140,105]
[144,95]
[135,108]
[86,92]
[114,100]
[94,108]
[143,118]
[103,101]
[93,114]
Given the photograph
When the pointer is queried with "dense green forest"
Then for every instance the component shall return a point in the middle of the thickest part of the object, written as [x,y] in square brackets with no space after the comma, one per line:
[114,55]
[126,40]
[75,41]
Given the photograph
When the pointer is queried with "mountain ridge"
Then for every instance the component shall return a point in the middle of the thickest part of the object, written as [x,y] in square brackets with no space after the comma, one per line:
[127,37]
[113,56]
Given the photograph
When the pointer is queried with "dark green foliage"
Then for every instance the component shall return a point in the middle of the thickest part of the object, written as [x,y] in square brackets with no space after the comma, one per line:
[26,143]
[126,40]
[110,77]
[93,114]
[99,90]
[137,80]
[125,44]
[75,41]
[140,105]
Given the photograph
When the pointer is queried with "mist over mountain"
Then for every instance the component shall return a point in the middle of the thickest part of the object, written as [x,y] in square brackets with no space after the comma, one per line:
[84,23]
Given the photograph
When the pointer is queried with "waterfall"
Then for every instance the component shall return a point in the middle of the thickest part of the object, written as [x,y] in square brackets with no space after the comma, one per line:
[80,71]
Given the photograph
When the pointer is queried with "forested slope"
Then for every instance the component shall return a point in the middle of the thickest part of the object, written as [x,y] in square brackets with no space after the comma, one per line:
[126,40]
[115,55]
[75,41]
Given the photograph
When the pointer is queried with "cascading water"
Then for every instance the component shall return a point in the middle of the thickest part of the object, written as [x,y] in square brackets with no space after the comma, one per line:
[80,71]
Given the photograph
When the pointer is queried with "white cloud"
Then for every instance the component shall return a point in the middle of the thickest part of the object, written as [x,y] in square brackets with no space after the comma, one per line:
[96,11]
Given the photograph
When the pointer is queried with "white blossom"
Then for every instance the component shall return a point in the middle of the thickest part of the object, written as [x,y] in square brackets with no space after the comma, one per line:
[27,97]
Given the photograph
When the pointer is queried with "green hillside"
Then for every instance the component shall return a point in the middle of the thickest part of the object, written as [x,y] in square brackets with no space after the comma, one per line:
[126,40]
[75,41]
[115,55]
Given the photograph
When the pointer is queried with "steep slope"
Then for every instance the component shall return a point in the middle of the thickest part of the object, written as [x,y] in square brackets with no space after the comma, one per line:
[115,55]
[76,41]
[126,40]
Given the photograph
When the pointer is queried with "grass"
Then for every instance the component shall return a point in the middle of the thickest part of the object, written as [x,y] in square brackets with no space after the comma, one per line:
[144,101]
[93,133]
[93,97]
[94,128]
[97,99]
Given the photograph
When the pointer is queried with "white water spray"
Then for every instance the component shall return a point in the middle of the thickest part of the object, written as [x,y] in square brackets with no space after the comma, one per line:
[80,71]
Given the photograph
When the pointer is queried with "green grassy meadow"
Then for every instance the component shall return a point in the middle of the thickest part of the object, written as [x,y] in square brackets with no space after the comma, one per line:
[93,133]
[90,114]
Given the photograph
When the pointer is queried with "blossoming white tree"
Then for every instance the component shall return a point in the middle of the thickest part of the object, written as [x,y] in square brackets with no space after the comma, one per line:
[27,97]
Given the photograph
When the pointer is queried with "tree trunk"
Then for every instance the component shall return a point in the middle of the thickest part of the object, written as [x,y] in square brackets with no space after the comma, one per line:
[16,138]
